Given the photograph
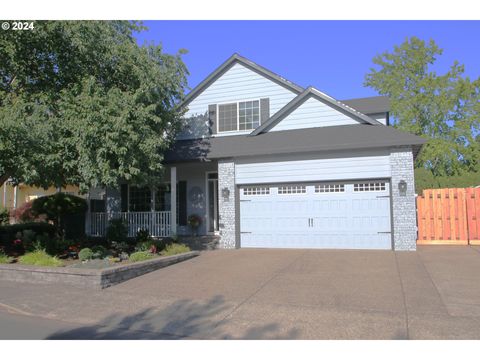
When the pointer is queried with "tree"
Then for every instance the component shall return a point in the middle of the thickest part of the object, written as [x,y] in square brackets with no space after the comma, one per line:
[81,103]
[442,108]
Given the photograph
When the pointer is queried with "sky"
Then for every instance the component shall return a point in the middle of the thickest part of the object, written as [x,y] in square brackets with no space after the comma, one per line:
[333,56]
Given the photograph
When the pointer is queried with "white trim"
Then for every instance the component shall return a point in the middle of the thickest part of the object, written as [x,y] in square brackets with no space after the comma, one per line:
[173,200]
[238,116]
[15,196]
[153,190]
[215,208]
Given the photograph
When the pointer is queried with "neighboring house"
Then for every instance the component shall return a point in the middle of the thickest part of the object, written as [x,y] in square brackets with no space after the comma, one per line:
[267,163]
[14,196]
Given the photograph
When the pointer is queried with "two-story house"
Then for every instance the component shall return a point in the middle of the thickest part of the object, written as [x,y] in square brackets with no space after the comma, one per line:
[267,163]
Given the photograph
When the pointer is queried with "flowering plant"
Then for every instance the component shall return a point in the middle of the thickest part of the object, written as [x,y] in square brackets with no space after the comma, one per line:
[194,221]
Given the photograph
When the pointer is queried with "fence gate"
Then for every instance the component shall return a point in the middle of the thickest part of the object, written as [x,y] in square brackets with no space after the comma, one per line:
[449,216]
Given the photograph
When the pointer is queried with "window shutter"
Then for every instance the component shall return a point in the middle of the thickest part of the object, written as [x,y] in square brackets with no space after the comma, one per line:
[212,118]
[264,110]
[182,203]
[124,197]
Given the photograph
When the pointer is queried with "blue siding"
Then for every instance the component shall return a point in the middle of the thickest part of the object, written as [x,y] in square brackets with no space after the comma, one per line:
[298,168]
[237,84]
[313,113]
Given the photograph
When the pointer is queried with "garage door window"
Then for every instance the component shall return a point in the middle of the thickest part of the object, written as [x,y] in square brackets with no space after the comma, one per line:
[256,191]
[370,186]
[292,189]
[329,188]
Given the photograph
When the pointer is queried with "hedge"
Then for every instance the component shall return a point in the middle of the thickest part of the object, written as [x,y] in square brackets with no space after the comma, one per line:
[40,230]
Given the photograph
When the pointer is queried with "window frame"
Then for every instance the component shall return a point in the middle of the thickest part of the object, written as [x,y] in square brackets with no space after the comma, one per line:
[238,115]
[129,198]
[256,190]
[370,186]
[329,188]
[303,190]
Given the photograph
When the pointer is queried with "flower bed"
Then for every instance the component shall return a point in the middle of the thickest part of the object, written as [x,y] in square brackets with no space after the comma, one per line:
[88,277]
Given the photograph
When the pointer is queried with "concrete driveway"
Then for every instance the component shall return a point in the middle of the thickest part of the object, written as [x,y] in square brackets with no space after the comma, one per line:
[276,294]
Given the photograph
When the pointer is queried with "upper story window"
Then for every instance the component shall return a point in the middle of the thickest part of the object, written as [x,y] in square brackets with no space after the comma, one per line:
[227,117]
[239,116]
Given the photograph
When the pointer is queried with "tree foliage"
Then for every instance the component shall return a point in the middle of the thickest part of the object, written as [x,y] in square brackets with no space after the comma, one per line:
[442,108]
[81,103]
[424,179]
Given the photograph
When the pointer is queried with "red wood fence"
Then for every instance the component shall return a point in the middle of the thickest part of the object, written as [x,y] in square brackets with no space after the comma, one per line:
[449,216]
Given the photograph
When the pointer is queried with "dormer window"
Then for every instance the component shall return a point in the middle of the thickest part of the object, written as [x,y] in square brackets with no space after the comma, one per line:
[238,116]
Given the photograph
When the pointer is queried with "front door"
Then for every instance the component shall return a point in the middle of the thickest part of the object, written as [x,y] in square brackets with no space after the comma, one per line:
[212,201]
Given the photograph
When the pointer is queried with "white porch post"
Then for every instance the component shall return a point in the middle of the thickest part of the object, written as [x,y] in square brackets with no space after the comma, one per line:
[15,196]
[173,200]
[88,215]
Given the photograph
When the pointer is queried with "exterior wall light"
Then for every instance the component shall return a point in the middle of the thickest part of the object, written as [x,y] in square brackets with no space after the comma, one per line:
[402,187]
[225,194]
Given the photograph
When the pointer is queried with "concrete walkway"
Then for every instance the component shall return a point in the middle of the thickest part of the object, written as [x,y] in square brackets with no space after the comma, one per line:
[433,293]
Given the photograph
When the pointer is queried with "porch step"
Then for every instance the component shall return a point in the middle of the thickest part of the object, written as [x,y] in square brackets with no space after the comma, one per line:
[204,242]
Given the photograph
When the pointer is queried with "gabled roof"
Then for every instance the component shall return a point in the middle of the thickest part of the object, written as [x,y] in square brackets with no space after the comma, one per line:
[232,60]
[300,99]
[325,139]
[369,105]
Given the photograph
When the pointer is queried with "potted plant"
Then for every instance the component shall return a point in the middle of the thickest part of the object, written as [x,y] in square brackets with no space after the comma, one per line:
[194,221]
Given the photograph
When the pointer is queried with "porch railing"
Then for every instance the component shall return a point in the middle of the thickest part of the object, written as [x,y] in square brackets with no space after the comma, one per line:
[156,222]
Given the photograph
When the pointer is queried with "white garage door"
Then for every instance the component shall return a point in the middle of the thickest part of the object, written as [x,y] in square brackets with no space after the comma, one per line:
[354,215]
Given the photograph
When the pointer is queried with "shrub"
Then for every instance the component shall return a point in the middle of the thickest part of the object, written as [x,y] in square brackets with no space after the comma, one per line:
[142,236]
[85,254]
[174,249]
[120,247]
[140,256]
[424,179]
[58,206]
[40,258]
[4,217]
[24,213]
[13,238]
[151,245]
[99,252]
[174,239]
[117,231]
[4,259]
[143,246]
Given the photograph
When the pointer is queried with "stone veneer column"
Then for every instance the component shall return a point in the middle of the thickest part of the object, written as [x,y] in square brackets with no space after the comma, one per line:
[404,209]
[226,207]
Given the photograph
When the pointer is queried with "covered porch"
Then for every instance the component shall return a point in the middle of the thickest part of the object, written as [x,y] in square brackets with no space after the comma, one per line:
[163,210]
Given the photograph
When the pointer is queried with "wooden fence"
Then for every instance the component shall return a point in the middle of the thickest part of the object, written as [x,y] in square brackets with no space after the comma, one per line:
[449,216]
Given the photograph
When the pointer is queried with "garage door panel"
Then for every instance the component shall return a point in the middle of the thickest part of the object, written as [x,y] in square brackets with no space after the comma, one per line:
[258,224]
[340,216]
[252,240]
[330,223]
[329,205]
[290,223]
[290,206]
